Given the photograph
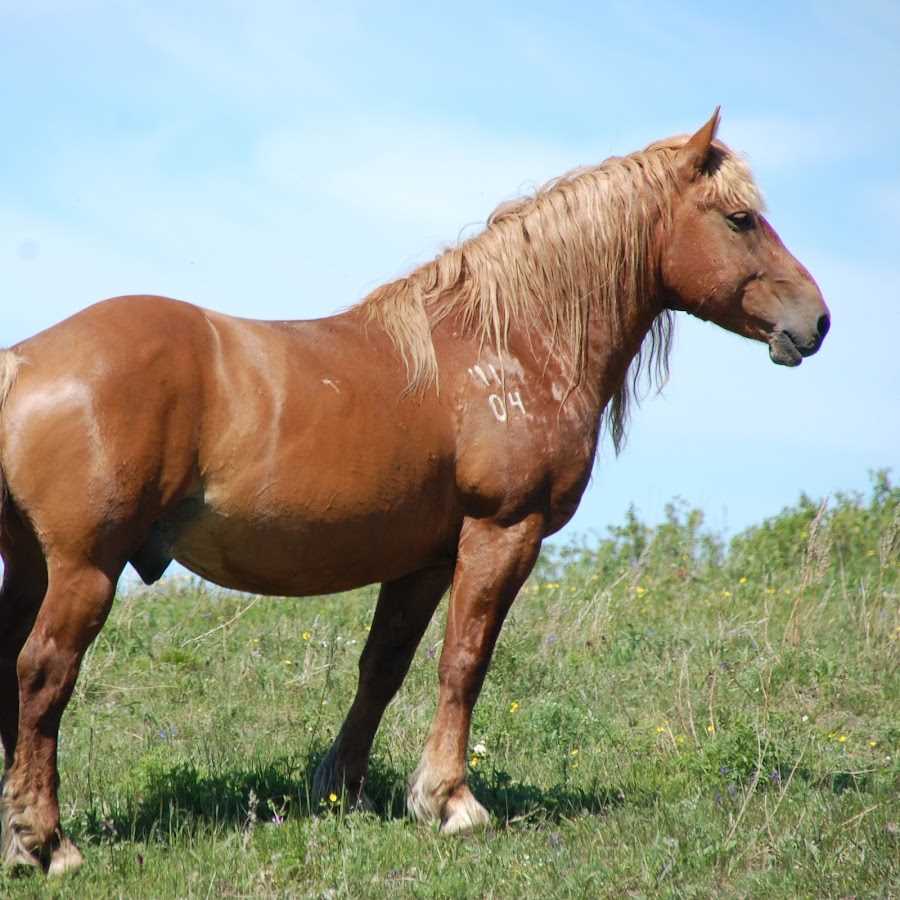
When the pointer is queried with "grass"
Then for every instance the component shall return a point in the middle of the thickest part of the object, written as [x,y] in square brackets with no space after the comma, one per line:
[666,715]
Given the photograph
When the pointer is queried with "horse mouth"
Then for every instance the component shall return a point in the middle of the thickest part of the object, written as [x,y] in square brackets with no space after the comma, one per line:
[785,351]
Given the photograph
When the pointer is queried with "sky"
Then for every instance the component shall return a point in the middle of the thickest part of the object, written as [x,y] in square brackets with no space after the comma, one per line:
[280,160]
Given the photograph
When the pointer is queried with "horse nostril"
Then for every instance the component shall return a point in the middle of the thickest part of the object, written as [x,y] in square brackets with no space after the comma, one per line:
[823,325]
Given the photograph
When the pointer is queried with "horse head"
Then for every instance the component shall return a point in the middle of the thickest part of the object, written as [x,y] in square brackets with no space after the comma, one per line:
[722,261]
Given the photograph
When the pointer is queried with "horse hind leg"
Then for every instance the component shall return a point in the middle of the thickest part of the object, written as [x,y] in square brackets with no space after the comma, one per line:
[74,609]
[24,586]
[404,609]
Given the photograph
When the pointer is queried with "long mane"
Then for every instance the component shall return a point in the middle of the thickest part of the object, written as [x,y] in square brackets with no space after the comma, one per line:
[579,247]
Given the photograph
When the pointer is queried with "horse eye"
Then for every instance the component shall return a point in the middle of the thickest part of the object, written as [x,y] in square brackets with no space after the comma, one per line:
[741,221]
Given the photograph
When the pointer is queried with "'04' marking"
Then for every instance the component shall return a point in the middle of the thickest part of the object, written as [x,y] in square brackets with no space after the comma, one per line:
[501,407]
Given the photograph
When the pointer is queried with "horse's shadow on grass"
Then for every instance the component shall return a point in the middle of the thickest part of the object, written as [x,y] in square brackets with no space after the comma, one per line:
[184,797]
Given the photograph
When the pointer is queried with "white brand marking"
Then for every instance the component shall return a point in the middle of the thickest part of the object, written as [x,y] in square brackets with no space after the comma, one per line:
[498,407]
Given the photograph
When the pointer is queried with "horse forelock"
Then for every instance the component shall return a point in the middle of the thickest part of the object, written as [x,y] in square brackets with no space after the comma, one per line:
[581,245]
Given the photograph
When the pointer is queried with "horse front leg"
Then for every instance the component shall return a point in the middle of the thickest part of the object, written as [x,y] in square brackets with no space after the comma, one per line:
[76,605]
[404,609]
[492,565]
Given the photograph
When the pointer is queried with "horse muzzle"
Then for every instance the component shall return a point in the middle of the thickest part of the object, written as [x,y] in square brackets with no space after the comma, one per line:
[791,342]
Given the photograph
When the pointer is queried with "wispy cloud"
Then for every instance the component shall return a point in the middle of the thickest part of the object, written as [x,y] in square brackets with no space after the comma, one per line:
[416,173]
[785,143]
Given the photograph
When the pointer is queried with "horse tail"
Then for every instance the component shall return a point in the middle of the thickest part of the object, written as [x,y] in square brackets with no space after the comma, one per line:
[9,368]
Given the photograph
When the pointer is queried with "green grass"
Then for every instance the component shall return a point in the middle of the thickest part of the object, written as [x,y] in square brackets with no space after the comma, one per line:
[665,716]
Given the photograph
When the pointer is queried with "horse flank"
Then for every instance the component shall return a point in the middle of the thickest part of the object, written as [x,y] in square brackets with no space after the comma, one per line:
[580,246]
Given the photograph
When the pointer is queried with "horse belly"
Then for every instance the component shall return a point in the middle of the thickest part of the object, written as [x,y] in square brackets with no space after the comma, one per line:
[318,547]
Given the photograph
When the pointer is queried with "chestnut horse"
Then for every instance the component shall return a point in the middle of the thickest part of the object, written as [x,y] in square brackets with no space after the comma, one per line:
[431,436]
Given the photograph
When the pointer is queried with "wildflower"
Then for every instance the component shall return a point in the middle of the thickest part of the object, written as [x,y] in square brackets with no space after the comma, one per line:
[873,743]
[288,662]
[679,739]
[333,798]
[479,749]
[660,729]
[742,579]
[514,706]
[640,591]
[804,718]
[711,729]
[473,762]
[770,590]
[726,594]
[306,635]
[573,752]
[842,738]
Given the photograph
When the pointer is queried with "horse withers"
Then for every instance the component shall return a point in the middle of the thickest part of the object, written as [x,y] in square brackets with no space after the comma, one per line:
[430,437]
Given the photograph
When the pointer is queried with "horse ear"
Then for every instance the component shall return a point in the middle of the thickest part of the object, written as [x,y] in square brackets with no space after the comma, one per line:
[693,156]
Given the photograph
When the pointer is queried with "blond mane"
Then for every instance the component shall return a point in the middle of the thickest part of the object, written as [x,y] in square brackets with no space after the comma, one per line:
[578,247]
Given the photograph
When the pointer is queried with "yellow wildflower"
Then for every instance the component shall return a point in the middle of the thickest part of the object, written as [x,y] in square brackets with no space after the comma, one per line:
[332,797]
[306,635]
[514,706]
[842,738]
[711,729]
[742,579]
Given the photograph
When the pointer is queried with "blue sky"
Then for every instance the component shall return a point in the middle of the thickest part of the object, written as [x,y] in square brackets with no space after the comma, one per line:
[276,160]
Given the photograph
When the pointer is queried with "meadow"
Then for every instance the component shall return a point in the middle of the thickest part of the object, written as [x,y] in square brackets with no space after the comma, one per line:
[668,714]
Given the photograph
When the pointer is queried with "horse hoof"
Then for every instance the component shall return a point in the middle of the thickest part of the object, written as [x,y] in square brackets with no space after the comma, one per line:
[65,858]
[13,855]
[422,804]
[327,784]
[463,813]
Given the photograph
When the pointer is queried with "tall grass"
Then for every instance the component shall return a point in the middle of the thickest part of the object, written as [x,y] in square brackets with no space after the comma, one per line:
[667,714]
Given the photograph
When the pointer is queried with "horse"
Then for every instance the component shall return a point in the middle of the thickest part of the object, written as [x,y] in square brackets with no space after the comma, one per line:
[429,437]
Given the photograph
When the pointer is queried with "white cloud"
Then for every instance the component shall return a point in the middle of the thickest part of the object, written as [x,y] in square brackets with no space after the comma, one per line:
[415,174]
[783,143]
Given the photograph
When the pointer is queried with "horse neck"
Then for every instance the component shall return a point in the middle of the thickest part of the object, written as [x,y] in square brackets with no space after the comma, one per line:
[615,327]
[610,348]
[610,351]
